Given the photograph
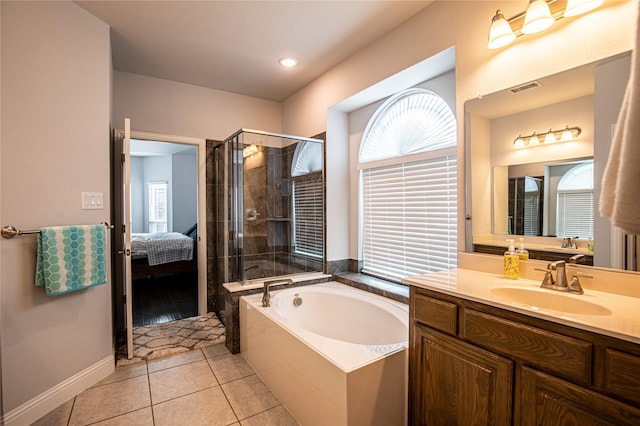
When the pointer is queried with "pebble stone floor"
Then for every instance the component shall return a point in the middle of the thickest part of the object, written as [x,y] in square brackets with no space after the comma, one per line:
[206,386]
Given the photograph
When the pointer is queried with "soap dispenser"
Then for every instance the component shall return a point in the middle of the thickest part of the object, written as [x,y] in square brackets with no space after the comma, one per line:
[523,254]
[511,262]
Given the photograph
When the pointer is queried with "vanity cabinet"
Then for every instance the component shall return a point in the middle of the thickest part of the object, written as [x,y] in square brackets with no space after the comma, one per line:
[472,363]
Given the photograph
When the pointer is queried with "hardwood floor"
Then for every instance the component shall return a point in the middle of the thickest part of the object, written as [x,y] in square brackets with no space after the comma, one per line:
[164,298]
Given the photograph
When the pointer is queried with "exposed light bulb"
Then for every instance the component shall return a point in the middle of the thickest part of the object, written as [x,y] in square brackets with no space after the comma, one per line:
[537,18]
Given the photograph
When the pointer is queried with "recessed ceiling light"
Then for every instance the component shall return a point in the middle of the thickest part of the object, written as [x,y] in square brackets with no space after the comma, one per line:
[288,62]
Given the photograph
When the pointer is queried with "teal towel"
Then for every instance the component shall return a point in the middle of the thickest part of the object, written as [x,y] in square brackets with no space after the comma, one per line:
[71,258]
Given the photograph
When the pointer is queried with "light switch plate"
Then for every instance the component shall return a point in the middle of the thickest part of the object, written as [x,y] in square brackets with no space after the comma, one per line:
[92,201]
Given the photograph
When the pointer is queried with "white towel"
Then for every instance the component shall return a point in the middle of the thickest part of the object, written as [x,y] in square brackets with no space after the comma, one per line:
[620,198]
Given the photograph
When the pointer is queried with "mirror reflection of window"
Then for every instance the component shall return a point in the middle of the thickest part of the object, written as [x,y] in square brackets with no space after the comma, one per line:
[575,202]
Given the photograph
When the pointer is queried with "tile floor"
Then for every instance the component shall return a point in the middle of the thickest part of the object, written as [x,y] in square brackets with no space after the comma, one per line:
[207,386]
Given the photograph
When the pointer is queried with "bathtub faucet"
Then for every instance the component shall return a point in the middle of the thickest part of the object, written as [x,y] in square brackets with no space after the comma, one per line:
[266,296]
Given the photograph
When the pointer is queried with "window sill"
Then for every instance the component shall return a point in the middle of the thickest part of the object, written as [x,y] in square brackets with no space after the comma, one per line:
[394,291]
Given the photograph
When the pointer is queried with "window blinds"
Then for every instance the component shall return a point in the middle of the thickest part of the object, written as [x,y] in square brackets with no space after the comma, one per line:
[575,214]
[308,217]
[410,217]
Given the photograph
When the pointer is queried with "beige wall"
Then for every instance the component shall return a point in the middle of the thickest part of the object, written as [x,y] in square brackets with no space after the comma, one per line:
[463,24]
[168,107]
[55,144]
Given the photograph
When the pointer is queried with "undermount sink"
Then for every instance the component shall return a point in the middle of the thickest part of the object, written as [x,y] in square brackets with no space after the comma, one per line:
[549,299]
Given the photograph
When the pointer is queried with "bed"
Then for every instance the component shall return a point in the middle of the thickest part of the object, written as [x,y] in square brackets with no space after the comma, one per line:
[163,253]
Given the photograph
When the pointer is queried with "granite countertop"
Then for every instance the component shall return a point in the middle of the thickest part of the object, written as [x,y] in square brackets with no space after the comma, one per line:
[597,311]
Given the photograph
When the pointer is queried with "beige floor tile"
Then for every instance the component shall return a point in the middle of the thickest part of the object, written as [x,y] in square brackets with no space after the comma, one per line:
[143,417]
[275,416]
[215,350]
[180,381]
[125,372]
[207,407]
[249,396]
[110,400]
[57,417]
[174,360]
[230,367]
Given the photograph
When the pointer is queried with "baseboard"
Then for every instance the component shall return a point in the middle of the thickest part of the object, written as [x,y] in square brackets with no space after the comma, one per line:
[51,399]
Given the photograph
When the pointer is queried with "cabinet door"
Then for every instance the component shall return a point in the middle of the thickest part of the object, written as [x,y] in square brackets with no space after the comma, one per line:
[452,382]
[547,400]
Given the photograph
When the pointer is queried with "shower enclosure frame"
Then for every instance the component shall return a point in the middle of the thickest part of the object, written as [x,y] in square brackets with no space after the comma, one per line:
[230,239]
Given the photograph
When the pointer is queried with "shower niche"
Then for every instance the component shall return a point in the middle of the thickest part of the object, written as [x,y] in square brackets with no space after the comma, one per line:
[269,198]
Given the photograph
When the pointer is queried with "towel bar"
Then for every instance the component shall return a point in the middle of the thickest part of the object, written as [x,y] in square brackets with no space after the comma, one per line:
[10,231]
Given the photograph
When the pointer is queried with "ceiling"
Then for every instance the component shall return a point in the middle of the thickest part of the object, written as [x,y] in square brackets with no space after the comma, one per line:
[235,46]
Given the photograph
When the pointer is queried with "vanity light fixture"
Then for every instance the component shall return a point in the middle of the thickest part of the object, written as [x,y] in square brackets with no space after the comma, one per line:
[552,136]
[539,16]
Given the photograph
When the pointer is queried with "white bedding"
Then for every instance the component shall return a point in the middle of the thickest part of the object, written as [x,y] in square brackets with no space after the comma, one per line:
[164,247]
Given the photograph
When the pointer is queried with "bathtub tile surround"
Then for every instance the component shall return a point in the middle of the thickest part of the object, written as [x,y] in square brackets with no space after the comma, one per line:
[187,388]
[337,371]
[335,266]
[374,285]
[234,291]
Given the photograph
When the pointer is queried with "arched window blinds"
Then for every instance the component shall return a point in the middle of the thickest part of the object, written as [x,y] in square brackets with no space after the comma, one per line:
[409,205]
[574,213]
[411,122]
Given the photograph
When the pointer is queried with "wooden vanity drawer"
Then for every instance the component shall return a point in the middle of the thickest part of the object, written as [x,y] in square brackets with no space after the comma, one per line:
[436,313]
[562,355]
[622,375]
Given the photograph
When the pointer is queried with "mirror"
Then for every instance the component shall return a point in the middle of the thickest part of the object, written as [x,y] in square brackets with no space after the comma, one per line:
[550,199]
[527,188]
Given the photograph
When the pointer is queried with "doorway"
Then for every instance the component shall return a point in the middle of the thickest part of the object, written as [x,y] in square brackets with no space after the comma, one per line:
[166,197]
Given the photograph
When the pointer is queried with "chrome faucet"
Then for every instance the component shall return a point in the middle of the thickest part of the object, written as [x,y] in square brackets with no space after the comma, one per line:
[266,296]
[560,282]
[578,258]
[568,243]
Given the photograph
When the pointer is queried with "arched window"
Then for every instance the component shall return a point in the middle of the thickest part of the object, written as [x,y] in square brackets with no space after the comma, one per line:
[574,213]
[409,187]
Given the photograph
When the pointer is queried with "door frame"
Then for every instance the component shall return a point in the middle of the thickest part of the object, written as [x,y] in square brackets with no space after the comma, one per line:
[201,243]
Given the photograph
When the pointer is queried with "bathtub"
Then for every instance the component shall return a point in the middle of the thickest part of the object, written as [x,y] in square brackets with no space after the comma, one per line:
[332,354]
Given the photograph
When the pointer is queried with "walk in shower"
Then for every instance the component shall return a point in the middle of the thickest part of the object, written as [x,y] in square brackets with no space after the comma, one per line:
[269,206]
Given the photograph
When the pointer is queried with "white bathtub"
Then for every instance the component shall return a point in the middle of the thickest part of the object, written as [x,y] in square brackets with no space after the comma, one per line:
[339,358]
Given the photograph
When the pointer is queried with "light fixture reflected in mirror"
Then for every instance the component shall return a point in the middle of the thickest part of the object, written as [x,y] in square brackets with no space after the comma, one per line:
[552,136]
[540,15]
